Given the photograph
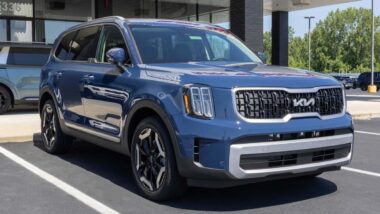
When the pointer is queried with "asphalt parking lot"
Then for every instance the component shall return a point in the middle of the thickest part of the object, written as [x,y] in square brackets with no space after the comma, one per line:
[91,179]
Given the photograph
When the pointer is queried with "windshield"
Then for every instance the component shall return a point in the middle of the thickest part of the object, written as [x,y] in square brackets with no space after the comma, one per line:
[181,44]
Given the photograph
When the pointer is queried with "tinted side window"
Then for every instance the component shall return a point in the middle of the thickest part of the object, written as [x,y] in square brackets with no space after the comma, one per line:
[28,56]
[111,38]
[3,55]
[64,46]
[84,45]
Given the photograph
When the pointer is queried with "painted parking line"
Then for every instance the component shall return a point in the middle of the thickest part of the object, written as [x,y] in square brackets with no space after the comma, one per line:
[364,132]
[361,171]
[89,201]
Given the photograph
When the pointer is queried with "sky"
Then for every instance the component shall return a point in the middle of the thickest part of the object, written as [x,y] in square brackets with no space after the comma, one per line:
[300,25]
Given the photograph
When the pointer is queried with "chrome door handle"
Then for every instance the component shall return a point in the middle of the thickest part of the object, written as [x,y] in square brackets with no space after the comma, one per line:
[88,78]
[58,75]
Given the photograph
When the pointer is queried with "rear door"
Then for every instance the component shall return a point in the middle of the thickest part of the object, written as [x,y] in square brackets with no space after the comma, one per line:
[24,69]
[74,51]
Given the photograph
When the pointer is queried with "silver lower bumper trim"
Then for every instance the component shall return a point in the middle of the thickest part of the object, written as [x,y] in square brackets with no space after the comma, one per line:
[237,150]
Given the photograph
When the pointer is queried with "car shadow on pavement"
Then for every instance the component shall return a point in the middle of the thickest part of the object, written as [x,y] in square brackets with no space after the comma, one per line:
[110,165]
[116,168]
[254,196]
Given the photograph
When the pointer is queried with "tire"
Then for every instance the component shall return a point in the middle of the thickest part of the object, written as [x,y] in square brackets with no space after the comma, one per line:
[363,88]
[153,162]
[54,140]
[5,100]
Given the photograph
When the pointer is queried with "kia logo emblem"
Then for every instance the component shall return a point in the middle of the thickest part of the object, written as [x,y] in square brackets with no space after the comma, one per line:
[303,102]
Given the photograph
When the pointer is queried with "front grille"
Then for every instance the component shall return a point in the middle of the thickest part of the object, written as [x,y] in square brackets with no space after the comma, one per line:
[272,160]
[277,103]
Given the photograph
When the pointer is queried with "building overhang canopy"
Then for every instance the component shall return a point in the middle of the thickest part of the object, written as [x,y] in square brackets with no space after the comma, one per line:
[293,5]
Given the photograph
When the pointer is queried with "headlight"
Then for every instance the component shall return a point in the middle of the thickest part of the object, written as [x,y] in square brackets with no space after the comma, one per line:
[198,101]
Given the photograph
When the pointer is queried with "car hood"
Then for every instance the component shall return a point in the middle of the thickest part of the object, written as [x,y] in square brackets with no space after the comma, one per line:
[231,75]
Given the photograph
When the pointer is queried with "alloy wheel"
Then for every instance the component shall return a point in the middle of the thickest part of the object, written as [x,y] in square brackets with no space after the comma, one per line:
[150,159]
[48,126]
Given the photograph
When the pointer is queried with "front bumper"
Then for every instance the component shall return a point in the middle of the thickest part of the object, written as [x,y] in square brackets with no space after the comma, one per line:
[293,146]
[221,143]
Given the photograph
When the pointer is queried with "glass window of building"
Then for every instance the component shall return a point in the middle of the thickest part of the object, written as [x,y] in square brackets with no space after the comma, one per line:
[21,31]
[134,8]
[55,16]
[48,30]
[177,9]
[3,30]
[214,11]
[73,10]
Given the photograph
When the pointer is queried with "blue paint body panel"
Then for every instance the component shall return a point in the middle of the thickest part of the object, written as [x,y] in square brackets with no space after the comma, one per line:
[103,103]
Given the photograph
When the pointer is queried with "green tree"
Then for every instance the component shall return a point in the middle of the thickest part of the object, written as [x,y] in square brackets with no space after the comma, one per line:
[341,42]
[268,46]
[298,51]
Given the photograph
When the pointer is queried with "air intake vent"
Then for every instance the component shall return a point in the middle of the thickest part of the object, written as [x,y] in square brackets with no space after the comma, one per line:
[283,159]
[196,151]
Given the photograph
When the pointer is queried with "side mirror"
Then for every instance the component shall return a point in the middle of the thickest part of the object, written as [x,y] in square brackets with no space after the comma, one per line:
[262,56]
[116,56]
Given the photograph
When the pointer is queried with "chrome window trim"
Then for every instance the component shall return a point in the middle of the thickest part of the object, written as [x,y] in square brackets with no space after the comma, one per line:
[92,132]
[289,116]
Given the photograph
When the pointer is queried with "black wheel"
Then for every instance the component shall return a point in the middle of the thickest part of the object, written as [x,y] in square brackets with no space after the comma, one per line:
[153,162]
[55,141]
[363,88]
[5,100]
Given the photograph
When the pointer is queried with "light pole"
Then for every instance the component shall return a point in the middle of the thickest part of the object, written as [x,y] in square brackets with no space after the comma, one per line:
[309,18]
[372,88]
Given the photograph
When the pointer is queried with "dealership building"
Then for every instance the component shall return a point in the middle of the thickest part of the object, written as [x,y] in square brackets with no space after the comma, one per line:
[43,20]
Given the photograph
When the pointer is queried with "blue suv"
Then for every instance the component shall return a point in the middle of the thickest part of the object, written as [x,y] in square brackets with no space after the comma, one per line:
[191,105]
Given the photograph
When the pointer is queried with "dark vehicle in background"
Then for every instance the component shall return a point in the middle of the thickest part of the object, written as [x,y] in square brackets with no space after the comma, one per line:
[364,80]
[347,81]
[20,68]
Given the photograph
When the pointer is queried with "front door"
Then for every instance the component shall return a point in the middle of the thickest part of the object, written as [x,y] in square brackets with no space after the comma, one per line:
[106,88]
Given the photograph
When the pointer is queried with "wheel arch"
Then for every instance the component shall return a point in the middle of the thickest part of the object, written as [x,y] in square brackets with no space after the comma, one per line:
[10,91]
[45,94]
[141,110]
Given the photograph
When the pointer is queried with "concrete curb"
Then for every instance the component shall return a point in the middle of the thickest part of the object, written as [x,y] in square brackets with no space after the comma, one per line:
[365,116]
[16,139]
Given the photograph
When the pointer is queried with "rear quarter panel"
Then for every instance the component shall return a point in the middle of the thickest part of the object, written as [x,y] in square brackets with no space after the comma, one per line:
[25,80]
